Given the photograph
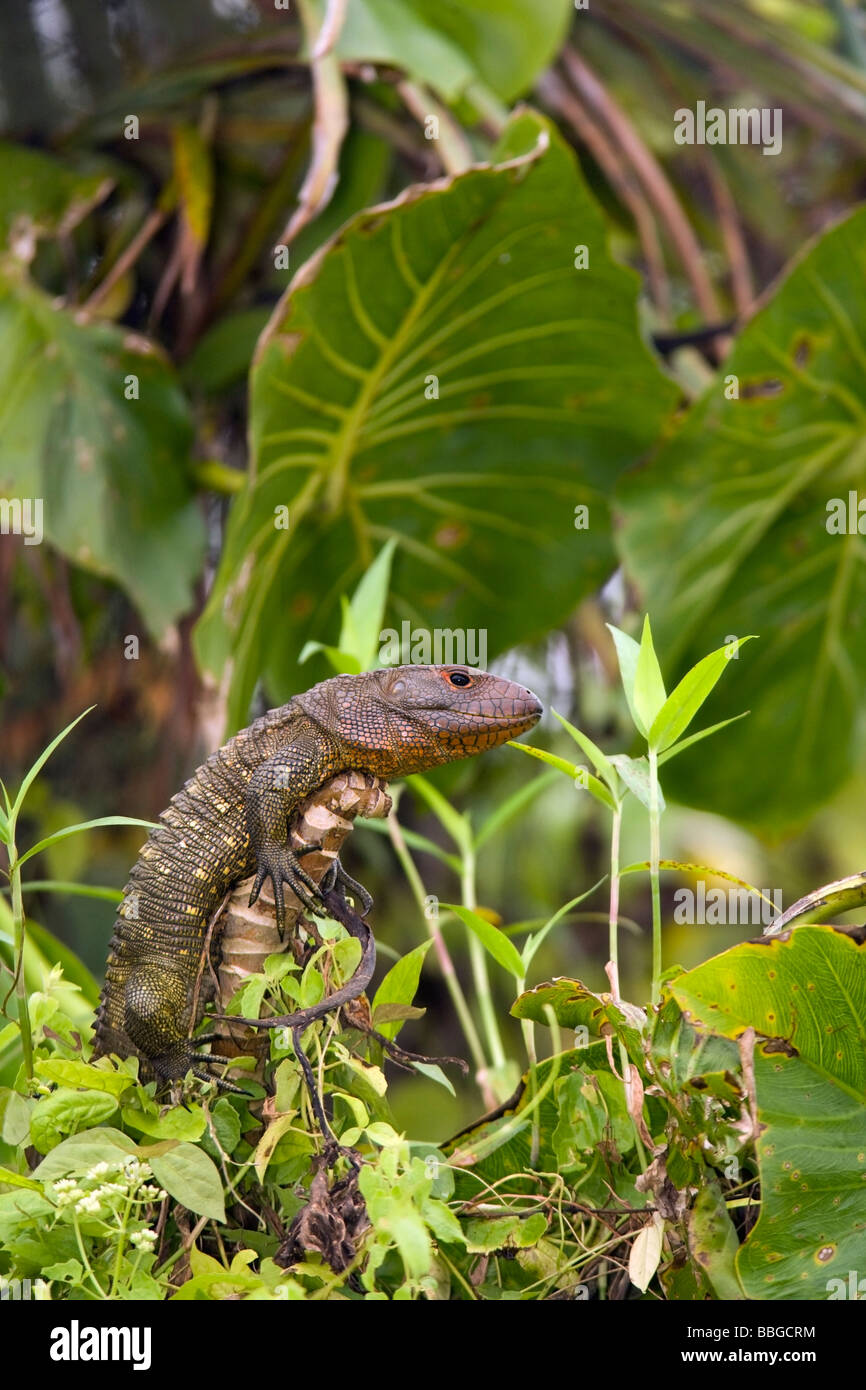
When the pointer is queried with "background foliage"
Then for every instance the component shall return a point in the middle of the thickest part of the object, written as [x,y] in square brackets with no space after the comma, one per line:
[169,376]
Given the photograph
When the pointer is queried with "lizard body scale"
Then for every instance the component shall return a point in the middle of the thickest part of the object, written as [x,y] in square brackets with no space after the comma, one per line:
[230,820]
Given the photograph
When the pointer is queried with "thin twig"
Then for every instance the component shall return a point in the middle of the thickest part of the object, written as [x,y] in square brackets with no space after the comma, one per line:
[451,144]
[329,129]
[653,177]
[557,95]
[335,18]
[742,283]
[126,260]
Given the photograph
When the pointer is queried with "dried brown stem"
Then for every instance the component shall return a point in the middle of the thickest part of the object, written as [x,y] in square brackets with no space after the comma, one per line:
[653,177]
[329,129]
[742,283]
[127,258]
[560,98]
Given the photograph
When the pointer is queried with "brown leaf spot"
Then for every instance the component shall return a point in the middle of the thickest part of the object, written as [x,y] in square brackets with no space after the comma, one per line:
[450,536]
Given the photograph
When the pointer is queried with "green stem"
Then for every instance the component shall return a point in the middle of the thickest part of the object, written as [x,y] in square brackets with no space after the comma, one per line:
[478,961]
[121,1244]
[613,919]
[446,964]
[213,476]
[655,854]
[453,147]
[84,1260]
[490,109]
[527,1027]
[20,979]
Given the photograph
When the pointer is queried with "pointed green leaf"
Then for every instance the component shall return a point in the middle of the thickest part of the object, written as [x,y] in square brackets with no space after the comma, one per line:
[649,688]
[452,821]
[400,986]
[434,1072]
[85,825]
[191,1178]
[367,609]
[495,942]
[696,738]
[628,651]
[33,773]
[603,766]
[343,662]
[574,771]
[684,701]
[532,943]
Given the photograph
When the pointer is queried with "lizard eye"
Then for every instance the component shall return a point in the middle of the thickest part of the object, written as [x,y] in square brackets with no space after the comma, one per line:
[459,678]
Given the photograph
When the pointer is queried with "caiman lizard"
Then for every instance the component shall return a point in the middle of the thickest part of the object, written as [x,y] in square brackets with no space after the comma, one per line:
[231,820]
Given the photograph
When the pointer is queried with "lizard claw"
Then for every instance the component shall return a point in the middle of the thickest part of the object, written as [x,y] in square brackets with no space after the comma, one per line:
[280,865]
[336,877]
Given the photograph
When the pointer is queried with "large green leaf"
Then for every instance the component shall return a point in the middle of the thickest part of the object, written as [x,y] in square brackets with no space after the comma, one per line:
[400,986]
[449,43]
[805,991]
[726,534]
[471,280]
[575,1006]
[111,471]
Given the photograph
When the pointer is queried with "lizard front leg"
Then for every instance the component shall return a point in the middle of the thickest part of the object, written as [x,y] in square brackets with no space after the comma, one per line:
[275,790]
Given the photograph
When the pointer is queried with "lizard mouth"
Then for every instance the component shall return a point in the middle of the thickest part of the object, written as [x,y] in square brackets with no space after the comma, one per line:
[510,722]
[519,721]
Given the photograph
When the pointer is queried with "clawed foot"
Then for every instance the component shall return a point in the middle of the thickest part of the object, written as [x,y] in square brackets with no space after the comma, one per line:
[183,1058]
[336,877]
[280,865]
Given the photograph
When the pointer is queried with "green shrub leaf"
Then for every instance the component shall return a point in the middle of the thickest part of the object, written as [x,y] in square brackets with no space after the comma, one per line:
[805,992]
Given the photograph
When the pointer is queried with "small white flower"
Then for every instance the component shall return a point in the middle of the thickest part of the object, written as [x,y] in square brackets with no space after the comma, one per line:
[89,1204]
[135,1172]
[69,1196]
[64,1184]
[143,1240]
[109,1189]
[100,1169]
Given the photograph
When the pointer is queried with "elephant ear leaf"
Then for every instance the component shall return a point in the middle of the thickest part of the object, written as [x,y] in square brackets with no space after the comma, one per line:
[448,371]
[744,522]
[96,442]
[810,1083]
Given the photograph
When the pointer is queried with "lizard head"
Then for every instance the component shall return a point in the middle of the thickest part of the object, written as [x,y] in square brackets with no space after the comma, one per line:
[409,718]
